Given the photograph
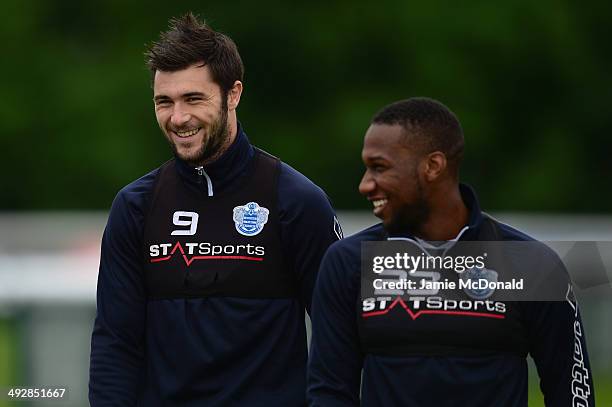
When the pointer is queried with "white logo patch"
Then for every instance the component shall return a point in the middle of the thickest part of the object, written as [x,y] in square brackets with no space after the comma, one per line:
[250,218]
[338,229]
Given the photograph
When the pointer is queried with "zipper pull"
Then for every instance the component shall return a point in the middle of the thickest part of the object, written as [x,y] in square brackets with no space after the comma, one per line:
[203,174]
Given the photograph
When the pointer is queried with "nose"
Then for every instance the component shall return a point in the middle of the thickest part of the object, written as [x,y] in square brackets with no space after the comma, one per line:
[179,117]
[367,184]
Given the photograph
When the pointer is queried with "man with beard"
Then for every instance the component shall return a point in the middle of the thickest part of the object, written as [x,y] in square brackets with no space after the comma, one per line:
[209,261]
[420,349]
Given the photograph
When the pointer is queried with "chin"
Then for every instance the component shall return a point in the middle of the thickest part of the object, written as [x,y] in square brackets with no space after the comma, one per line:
[399,226]
[187,156]
[391,226]
[184,154]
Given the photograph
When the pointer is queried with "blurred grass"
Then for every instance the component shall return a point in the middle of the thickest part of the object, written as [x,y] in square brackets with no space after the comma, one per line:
[8,358]
[603,393]
[10,372]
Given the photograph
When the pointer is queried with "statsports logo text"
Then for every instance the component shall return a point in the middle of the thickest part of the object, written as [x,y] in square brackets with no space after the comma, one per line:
[418,305]
[192,251]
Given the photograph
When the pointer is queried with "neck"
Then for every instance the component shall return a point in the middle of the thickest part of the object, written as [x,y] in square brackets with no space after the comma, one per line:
[448,215]
[232,133]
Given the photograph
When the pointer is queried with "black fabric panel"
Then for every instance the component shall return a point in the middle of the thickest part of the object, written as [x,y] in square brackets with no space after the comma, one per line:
[217,260]
[432,332]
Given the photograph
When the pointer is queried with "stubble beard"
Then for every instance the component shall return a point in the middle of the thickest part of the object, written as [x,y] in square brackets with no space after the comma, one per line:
[214,142]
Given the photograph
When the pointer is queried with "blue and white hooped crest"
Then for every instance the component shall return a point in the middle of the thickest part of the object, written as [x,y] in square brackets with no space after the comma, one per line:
[475,274]
[250,218]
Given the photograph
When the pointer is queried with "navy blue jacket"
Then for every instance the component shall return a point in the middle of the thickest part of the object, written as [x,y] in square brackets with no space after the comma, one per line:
[219,350]
[459,377]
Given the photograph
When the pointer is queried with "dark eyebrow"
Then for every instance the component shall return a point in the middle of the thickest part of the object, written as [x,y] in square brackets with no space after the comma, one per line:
[192,94]
[159,98]
[376,158]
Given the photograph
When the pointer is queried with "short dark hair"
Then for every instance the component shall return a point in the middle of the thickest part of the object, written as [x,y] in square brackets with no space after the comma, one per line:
[428,123]
[189,41]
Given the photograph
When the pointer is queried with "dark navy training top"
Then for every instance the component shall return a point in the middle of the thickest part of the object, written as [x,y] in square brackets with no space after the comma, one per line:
[206,350]
[458,353]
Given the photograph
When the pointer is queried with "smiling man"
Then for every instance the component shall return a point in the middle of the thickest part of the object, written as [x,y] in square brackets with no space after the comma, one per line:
[193,120]
[209,261]
[428,350]
[393,181]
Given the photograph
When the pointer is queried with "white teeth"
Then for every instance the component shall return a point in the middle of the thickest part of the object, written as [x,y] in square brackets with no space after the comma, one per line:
[188,133]
[380,202]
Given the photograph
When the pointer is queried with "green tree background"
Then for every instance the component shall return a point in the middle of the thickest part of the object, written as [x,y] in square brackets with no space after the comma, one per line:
[530,81]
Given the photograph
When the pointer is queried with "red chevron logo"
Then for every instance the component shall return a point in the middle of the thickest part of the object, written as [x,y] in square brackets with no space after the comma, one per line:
[415,315]
[188,261]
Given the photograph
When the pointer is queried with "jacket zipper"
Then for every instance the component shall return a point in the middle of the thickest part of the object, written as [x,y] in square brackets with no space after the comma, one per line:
[204,177]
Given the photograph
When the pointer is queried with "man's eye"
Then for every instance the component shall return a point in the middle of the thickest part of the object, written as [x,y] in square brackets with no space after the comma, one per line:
[162,103]
[193,99]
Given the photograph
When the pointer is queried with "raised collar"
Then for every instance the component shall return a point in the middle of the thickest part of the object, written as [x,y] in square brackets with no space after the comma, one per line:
[216,176]
[471,202]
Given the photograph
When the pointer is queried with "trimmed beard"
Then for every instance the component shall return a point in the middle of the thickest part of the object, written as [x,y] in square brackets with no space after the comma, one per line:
[412,216]
[215,139]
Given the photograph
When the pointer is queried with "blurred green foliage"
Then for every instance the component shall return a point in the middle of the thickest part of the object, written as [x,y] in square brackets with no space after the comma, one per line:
[10,370]
[603,393]
[530,82]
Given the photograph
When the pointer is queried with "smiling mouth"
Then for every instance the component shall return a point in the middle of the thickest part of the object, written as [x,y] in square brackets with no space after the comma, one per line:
[379,204]
[187,133]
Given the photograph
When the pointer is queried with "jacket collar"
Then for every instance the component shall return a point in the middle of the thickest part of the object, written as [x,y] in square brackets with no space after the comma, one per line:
[475,218]
[218,175]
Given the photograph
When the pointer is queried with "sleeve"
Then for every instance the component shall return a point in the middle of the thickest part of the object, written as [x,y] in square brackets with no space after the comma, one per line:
[117,343]
[558,347]
[335,360]
[308,226]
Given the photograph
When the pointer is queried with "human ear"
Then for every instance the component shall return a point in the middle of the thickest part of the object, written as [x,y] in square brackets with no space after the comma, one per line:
[233,96]
[435,165]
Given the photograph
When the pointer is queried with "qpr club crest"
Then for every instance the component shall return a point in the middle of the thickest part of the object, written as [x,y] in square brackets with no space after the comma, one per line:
[250,218]
[475,280]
